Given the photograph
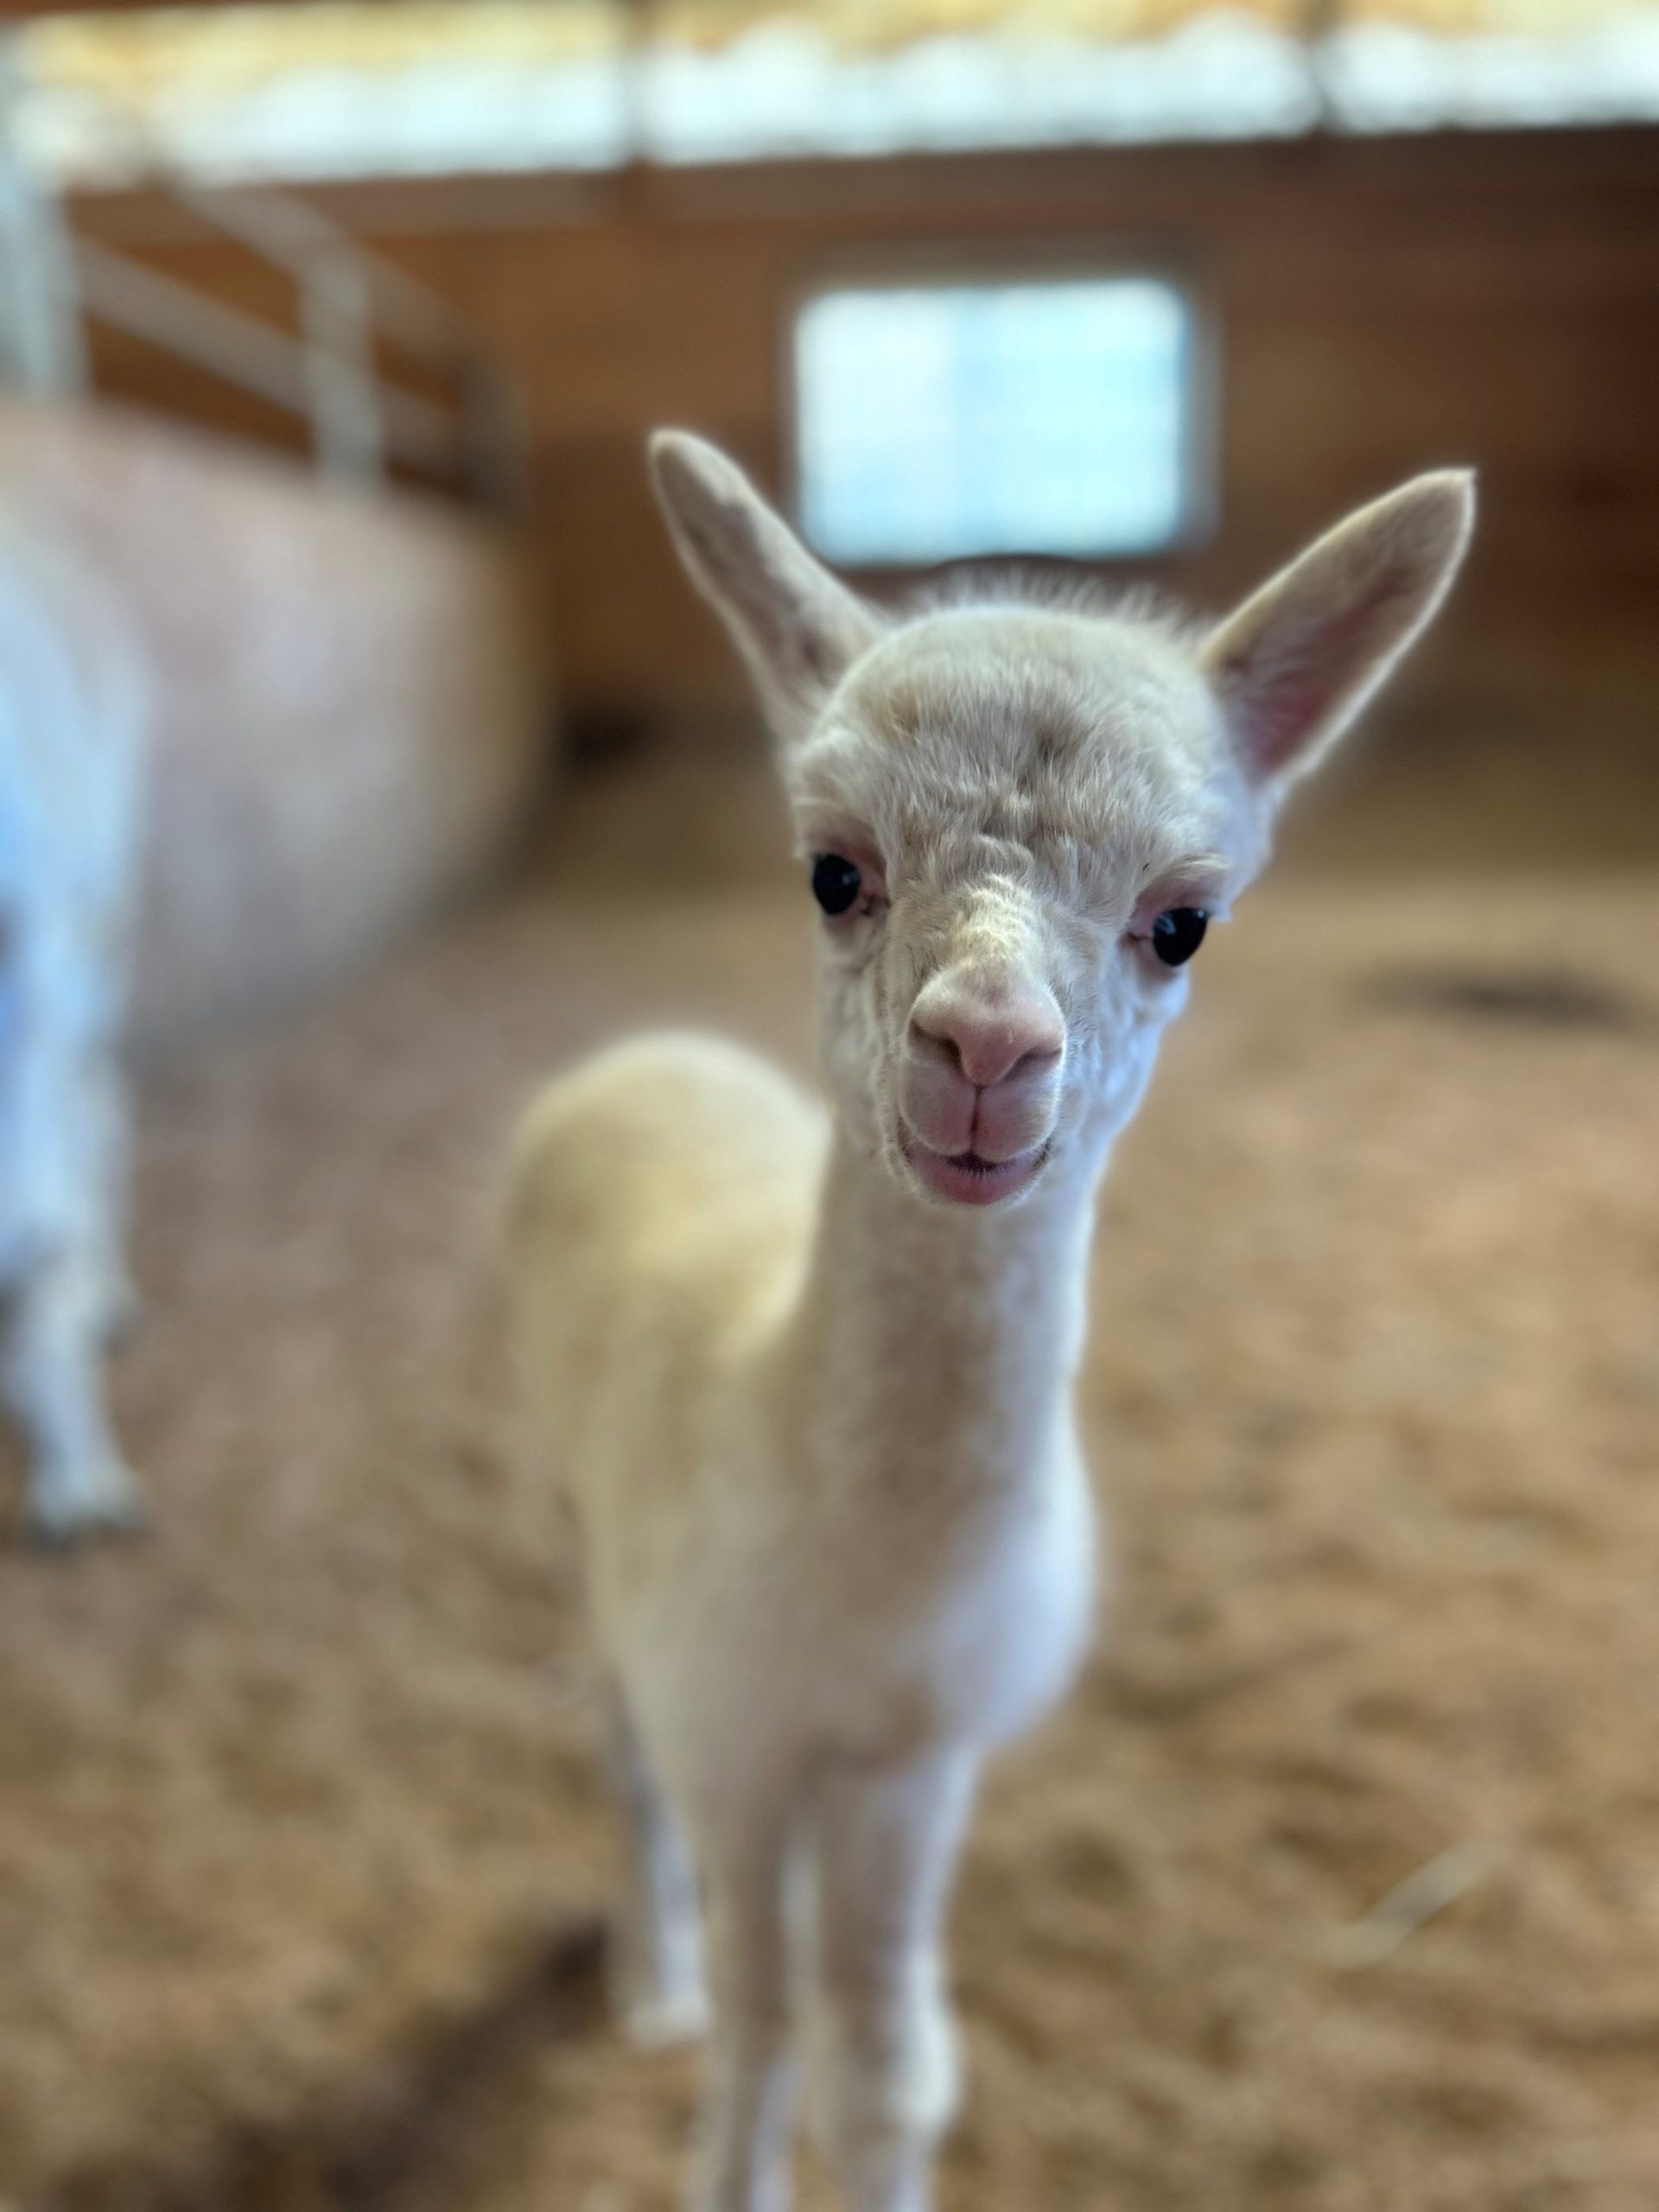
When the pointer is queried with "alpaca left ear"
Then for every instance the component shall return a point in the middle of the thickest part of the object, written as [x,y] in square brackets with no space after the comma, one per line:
[799,628]
[1298,661]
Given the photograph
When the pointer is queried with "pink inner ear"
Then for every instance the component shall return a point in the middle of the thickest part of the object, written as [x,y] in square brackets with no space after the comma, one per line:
[1278,718]
[1287,683]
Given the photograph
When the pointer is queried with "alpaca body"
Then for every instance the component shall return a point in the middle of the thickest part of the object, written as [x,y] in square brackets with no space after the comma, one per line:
[786,1568]
[72,715]
[807,1378]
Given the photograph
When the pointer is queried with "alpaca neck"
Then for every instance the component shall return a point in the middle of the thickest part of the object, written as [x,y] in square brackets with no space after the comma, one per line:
[940,1343]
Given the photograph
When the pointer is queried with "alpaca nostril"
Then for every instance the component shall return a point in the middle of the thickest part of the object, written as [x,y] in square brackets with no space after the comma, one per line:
[1039,1059]
[988,1044]
[934,1043]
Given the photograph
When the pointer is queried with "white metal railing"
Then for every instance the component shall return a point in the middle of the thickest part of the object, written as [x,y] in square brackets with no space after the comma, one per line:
[327,371]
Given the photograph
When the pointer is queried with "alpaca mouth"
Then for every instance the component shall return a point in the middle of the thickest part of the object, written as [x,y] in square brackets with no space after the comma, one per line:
[964,1178]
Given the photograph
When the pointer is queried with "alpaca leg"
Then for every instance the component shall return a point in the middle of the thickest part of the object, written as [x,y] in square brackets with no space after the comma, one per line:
[884,2064]
[744,2163]
[53,1377]
[109,1140]
[657,1982]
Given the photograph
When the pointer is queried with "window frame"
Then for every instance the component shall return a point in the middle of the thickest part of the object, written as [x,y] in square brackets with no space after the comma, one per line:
[954,268]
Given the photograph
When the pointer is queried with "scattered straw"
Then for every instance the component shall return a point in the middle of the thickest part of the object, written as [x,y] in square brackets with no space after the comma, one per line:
[1380,1933]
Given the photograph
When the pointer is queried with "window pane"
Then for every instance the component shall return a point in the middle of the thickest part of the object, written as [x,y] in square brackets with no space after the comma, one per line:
[1421,65]
[737,81]
[357,88]
[940,421]
[329,89]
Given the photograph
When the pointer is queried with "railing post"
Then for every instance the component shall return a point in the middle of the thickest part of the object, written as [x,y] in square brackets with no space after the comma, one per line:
[42,347]
[336,316]
[494,440]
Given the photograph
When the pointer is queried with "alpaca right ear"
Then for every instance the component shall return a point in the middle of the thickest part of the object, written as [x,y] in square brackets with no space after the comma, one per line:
[1296,662]
[797,627]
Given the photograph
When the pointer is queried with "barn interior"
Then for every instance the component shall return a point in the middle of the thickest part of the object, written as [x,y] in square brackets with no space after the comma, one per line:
[332,336]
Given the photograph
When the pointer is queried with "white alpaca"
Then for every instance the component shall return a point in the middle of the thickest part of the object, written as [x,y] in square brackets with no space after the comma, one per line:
[807,1377]
[72,721]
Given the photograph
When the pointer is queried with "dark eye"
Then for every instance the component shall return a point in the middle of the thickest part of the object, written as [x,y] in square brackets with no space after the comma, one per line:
[835,882]
[1177,935]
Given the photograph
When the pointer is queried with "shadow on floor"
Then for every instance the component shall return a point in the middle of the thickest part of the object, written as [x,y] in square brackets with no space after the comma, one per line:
[1547,998]
[403,2139]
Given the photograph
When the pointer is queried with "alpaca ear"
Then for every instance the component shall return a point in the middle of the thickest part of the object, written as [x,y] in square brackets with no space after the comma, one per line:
[1297,662]
[797,628]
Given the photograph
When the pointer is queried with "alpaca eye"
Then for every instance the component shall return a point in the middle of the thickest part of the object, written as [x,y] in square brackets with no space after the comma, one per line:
[835,882]
[1177,935]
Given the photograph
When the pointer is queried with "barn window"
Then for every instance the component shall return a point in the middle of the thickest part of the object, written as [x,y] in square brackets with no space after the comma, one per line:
[939,420]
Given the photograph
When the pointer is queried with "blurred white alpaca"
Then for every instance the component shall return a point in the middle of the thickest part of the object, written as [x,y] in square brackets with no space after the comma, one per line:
[71,745]
[808,1378]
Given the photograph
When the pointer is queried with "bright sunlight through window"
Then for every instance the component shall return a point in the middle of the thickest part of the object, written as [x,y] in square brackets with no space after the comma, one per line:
[939,421]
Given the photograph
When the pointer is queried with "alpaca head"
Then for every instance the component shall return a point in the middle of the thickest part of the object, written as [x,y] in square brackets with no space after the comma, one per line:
[1016,821]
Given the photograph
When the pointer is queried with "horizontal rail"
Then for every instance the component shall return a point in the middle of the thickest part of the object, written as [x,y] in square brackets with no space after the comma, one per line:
[327,372]
[299,238]
[247,352]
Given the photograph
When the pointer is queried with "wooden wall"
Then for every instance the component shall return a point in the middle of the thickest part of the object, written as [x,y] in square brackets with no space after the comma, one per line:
[1381,306]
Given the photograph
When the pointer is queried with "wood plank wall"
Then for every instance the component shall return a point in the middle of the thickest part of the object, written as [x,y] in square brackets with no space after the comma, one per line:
[1379,307]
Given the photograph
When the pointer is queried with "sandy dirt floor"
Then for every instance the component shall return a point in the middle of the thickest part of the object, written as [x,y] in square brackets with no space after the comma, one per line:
[301,1845]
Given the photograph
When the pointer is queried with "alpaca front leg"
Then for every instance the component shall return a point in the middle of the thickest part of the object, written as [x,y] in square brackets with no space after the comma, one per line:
[109,1154]
[656,1983]
[747,2119]
[885,2074]
[78,1481]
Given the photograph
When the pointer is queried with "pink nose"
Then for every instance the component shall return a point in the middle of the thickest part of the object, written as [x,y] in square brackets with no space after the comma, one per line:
[986,1037]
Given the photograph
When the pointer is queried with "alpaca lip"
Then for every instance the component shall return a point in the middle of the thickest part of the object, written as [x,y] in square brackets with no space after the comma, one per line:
[964,1177]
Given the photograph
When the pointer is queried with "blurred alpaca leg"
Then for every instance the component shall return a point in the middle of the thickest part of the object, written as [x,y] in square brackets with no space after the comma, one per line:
[884,2066]
[656,1975]
[78,1481]
[749,2110]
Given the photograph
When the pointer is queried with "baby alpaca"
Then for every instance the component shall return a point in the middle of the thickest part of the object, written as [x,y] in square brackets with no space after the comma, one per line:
[807,1376]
